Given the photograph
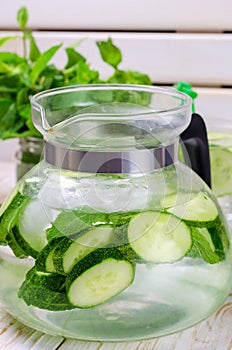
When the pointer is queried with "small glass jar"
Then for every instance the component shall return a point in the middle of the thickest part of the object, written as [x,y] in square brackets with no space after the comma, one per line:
[220,147]
[28,155]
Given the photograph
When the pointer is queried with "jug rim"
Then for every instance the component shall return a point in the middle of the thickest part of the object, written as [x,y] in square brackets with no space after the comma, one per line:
[186,100]
[136,87]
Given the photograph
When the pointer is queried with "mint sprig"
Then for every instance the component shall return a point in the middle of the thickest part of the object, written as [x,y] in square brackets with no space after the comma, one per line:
[26,75]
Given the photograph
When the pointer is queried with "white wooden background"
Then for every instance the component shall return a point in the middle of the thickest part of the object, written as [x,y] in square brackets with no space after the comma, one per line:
[169,40]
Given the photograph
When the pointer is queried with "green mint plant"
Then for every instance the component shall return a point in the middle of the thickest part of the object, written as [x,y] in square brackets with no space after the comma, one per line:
[23,76]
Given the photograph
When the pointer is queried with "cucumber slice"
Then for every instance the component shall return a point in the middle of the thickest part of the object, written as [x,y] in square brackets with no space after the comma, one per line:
[14,194]
[45,291]
[98,277]
[199,211]
[159,237]
[221,170]
[69,251]
[32,224]
[18,251]
[10,211]
[28,251]
[44,260]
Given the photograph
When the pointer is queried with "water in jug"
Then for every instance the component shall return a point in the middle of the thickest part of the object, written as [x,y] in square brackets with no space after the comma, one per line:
[110,237]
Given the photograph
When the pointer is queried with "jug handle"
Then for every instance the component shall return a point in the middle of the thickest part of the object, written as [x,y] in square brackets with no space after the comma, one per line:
[196,147]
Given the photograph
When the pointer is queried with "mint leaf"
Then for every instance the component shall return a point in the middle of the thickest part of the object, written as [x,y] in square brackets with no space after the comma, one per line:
[203,246]
[7,38]
[48,78]
[42,62]
[81,73]
[22,97]
[110,53]
[73,57]
[34,50]
[32,130]
[11,58]
[66,224]
[25,111]
[129,77]
[22,17]
[5,104]
[9,122]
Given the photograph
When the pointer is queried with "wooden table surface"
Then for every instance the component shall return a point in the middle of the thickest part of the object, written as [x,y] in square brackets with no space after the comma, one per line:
[215,333]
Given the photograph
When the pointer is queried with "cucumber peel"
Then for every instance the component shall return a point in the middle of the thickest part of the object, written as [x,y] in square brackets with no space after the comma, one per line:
[200,211]
[98,277]
[69,251]
[10,213]
[45,291]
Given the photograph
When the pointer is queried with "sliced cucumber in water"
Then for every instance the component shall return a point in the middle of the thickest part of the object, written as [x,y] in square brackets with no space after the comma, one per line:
[221,170]
[98,277]
[16,248]
[70,251]
[45,291]
[199,211]
[44,260]
[158,237]
[32,224]
[10,211]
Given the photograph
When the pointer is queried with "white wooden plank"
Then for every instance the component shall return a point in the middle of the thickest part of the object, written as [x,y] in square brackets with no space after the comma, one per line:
[214,105]
[201,59]
[70,344]
[16,336]
[122,14]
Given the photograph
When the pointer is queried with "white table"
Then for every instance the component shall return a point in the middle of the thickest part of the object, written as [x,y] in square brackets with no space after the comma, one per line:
[215,333]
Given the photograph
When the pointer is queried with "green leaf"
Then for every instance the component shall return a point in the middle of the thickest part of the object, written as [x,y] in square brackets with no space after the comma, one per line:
[47,77]
[110,53]
[42,62]
[9,122]
[81,73]
[11,58]
[22,17]
[33,131]
[66,224]
[129,77]
[203,246]
[5,104]
[73,57]
[34,50]
[7,38]
[25,111]
[22,97]
[4,68]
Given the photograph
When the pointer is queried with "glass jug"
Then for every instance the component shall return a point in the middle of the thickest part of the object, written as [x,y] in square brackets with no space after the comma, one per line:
[110,237]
